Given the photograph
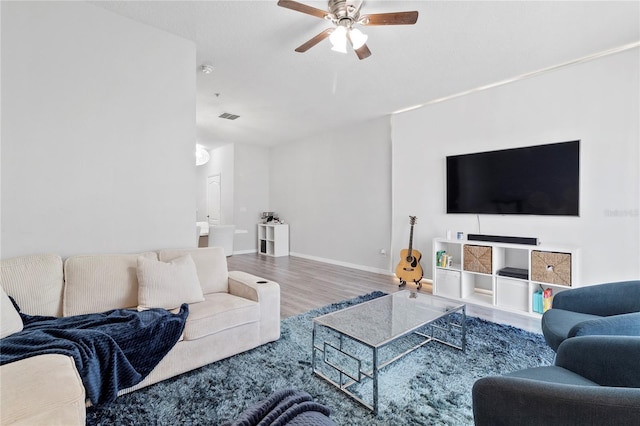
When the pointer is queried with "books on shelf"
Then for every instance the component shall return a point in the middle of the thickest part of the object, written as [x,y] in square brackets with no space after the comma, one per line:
[542,300]
[443,259]
[547,298]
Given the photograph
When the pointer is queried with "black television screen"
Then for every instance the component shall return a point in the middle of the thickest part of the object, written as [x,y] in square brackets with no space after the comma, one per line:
[535,180]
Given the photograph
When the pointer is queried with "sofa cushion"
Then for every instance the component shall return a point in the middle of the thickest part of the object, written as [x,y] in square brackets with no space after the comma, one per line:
[552,374]
[167,284]
[42,390]
[557,325]
[98,283]
[35,283]
[211,264]
[11,321]
[218,312]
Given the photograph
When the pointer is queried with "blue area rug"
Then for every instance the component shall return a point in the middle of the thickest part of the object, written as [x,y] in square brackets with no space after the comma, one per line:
[430,386]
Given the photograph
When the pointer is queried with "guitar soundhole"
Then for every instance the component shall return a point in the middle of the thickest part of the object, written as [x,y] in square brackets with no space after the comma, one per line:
[411,260]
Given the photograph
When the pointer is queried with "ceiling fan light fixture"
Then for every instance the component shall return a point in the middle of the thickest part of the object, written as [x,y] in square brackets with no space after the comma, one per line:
[358,38]
[338,39]
[202,155]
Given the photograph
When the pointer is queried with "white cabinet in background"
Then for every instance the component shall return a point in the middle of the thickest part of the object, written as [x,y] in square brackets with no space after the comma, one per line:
[273,240]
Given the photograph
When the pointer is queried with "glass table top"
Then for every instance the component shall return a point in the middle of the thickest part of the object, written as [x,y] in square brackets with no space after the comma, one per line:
[382,320]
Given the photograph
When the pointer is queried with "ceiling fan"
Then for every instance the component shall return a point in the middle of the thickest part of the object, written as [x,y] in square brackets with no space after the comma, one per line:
[344,14]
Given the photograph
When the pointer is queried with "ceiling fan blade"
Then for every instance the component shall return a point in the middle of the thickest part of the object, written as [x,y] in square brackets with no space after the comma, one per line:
[299,7]
[363,52]
[315,40]
[394,18]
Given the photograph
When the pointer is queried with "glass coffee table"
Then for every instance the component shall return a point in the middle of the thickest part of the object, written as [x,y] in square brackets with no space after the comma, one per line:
[351,346]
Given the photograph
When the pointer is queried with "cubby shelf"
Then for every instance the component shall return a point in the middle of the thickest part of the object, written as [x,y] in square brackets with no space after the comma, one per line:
[473,275]
[273,239]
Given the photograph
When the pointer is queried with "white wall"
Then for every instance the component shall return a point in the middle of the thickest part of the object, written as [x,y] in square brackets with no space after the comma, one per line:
[596,102]
[251,193]
[334,190]
[98,132]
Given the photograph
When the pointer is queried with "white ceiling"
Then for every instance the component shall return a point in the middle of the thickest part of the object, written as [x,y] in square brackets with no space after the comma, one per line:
[456,46]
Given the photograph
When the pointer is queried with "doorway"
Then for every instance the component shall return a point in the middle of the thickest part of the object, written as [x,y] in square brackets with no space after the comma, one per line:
[213,200]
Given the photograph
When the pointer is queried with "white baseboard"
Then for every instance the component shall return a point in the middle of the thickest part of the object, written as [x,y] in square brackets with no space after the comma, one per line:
[245,251]
[345,264]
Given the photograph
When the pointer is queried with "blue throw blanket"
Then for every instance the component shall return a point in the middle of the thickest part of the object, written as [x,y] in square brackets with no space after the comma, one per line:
[112,350]
[287,407]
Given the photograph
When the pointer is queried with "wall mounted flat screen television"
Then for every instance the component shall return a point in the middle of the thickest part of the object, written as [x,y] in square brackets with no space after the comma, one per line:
[534,180]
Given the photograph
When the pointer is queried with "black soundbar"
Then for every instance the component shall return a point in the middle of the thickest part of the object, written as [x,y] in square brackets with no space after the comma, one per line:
[502,239]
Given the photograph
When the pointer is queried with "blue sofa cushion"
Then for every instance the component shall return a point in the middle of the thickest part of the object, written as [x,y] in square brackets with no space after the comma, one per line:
[615,325]
[606,360]
[557,325]
[567,394]
[603,299]
[512,401]
[552,374]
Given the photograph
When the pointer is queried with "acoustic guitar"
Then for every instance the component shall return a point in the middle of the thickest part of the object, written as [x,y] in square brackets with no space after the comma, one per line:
[409,268]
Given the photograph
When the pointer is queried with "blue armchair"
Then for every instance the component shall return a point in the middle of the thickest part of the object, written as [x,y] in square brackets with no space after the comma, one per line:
[595,381]
[604,309]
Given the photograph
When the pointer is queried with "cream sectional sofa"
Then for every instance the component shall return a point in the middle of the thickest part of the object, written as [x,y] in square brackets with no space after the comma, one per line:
[238,312]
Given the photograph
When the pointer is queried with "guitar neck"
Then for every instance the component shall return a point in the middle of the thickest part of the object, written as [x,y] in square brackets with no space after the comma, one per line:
[410,241]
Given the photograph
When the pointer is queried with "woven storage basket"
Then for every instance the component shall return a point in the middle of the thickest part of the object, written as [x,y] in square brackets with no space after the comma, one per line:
[477,259]
[550,267]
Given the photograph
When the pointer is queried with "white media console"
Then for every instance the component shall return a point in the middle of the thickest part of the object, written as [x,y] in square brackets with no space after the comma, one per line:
[475,272]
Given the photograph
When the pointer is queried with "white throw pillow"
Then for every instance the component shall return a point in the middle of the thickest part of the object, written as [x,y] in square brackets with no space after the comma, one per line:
[11,321]
[167,285]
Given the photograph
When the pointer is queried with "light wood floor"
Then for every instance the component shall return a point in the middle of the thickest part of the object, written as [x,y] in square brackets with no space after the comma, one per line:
[307,284]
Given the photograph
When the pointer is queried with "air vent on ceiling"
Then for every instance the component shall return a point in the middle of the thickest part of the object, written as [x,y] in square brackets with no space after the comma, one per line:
[228,116]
